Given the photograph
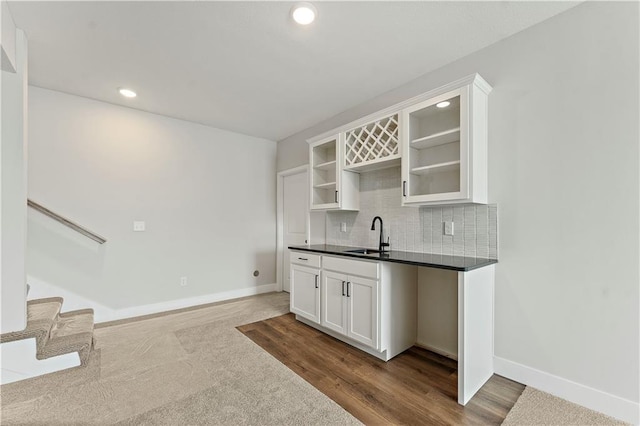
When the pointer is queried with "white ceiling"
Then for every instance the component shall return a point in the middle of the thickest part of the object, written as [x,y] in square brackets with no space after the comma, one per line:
[245,66]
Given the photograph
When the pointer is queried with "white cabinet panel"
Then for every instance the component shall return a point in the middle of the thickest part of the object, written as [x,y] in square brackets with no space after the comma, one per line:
[350,306]
[305,292]
[304,258]
[362,296]
[334,302]
[351,267]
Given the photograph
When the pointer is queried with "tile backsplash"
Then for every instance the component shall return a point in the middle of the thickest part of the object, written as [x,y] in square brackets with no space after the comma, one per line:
[414,229]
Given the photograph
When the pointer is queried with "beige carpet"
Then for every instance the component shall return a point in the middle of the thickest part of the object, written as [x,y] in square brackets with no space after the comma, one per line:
[535,407]
[194,367]
[190,367]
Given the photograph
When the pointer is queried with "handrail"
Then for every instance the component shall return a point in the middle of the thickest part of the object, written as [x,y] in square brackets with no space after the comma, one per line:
[66,222]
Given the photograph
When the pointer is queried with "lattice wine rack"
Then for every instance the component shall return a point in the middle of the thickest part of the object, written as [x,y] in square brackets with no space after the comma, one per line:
[372,143]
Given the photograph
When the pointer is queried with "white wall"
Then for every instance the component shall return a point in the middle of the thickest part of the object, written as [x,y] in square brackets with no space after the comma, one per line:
[437,311]
[207,196]
[13,189]
[564,160]
[7,38]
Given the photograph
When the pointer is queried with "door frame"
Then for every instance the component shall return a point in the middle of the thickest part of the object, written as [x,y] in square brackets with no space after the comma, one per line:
[280,219]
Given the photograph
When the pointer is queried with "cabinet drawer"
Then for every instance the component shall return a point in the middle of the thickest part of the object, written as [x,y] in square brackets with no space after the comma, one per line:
[304,258]
[351,267]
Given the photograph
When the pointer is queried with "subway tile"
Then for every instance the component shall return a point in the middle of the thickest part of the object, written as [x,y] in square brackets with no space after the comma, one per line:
[482,218]
[426,229]
[493,231]
[418,245]
[414,229]
[469,231]
[458,216]
[402,234]
[436,229]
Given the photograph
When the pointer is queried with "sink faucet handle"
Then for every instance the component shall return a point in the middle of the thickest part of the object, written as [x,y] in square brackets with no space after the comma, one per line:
[383,245]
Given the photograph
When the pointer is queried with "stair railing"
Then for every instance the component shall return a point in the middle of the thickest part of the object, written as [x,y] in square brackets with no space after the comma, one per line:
[66,222]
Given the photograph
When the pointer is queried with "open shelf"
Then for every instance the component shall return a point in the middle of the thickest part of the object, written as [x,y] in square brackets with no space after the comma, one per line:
[441,138]
[327,185]
[324,175]
[381,163]
[440,167]
[326,165]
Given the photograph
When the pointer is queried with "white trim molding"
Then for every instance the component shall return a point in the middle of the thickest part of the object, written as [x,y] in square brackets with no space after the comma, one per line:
[136,311]
[594,399]
[103,313]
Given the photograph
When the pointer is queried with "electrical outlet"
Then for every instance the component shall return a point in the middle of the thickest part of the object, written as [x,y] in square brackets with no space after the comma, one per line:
[343,227]
[139,226]
[448,228]
[183,281]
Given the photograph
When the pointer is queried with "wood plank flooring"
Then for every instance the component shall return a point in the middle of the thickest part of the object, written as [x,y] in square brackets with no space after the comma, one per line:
[416,387]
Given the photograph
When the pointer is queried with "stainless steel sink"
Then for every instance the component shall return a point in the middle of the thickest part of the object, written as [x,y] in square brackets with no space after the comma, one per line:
[364,251]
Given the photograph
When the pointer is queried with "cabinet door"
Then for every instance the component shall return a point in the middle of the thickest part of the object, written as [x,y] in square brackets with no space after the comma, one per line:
[305,292]
[435,149]
[334,301]
[362,311]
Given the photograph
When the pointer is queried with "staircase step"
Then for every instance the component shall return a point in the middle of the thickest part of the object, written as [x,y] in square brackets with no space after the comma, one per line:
[41,317]
[72,332]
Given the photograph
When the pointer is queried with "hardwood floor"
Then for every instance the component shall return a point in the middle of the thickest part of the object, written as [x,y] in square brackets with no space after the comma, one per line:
[416,387]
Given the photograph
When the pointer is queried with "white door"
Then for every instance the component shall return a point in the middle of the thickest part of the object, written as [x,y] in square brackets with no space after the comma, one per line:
[362,298]
[305,292]
[294,217]
[334,301]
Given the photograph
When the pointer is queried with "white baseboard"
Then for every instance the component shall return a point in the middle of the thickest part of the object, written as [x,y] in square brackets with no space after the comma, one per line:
[591,398]
[136,311]
[102,313]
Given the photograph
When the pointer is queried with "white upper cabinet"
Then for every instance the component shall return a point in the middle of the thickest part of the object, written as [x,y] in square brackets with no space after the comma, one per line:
[438,137]
[332,187]
[444,147]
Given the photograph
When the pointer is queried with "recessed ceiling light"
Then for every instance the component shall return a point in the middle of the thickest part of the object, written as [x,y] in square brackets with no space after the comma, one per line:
[304,13]
[443,104]
[127,93]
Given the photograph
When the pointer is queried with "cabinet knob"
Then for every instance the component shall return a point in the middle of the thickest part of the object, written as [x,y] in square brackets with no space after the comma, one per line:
[316,281]
[348,292]
[343,282]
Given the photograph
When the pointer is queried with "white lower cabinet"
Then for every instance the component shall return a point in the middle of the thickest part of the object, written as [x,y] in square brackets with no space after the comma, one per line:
[367,304]
[305,292]
[334,306]
[373,307]
[362,310]
[350,306]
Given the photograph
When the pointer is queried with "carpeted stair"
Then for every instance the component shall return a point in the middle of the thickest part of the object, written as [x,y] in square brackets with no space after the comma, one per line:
[56,333]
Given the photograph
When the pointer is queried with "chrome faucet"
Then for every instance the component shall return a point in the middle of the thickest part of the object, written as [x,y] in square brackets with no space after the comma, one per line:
[373,228]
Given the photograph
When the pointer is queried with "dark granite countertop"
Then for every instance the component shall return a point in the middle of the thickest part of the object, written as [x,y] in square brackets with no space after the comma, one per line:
[431,260]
